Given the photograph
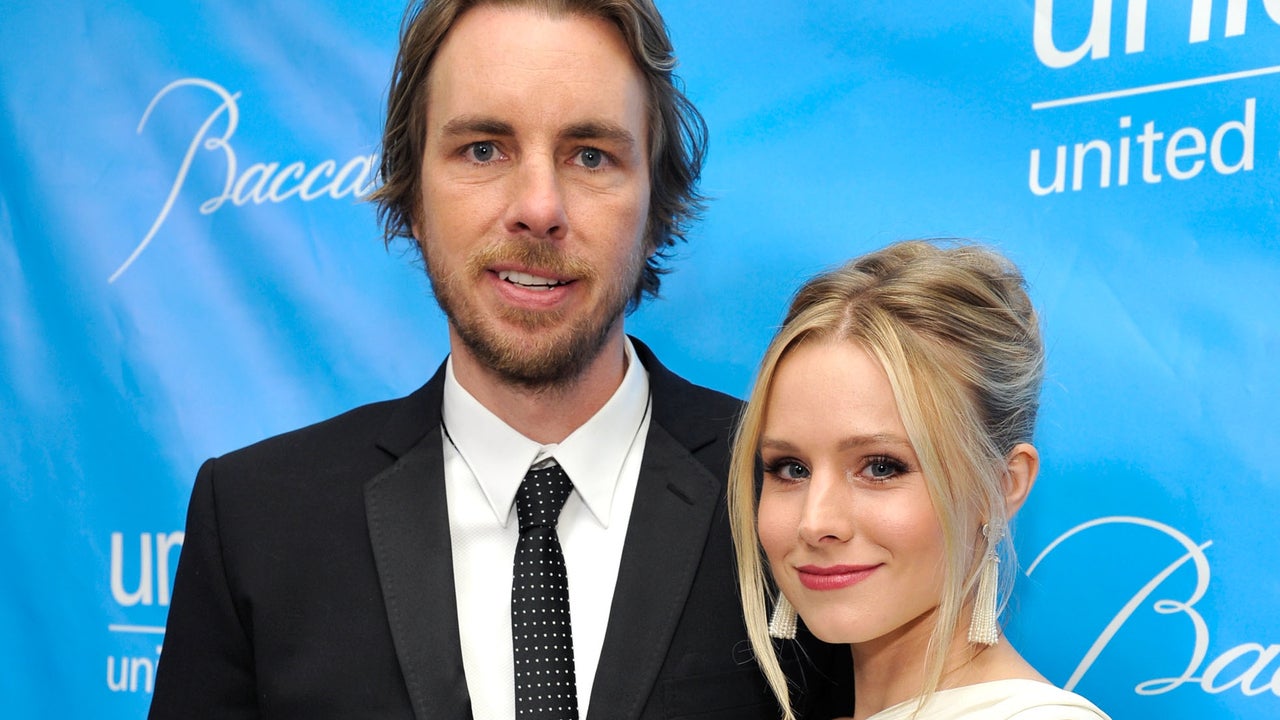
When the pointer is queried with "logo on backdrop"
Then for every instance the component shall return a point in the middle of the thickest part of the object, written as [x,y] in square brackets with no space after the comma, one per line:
[261,182]
[146,583]
[1242,668]
[1157,150]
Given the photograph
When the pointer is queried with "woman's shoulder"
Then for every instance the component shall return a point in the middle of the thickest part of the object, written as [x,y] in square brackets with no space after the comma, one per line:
[1022,699]
[1018,699]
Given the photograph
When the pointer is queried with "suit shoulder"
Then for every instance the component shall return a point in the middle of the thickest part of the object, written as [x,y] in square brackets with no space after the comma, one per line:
[368,435]
[712,403]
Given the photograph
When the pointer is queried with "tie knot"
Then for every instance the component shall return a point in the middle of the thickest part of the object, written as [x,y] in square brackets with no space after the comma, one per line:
[541,496]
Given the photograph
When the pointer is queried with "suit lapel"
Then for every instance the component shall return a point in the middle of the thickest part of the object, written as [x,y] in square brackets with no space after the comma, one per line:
[409,529]
[676,499]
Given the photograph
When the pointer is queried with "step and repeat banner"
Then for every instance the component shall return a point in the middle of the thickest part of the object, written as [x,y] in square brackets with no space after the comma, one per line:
[187,265]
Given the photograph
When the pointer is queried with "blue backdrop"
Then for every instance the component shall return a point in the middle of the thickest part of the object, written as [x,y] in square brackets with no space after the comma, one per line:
[186,266]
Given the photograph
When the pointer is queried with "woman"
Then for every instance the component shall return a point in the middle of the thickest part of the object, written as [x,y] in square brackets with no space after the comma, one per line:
[893,418]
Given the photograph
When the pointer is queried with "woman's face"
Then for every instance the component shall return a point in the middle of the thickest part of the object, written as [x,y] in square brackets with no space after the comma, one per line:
[845,518]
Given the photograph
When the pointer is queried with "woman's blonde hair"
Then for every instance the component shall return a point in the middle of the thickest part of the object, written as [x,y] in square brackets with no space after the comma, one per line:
[955,331]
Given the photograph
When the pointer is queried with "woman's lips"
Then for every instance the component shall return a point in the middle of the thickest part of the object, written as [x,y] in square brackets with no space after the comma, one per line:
[833,577]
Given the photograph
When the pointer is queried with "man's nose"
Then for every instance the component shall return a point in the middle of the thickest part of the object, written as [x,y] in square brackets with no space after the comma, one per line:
[537,203]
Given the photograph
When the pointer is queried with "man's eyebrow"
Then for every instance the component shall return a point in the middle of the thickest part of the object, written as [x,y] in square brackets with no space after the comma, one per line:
[477,125]
[599,130]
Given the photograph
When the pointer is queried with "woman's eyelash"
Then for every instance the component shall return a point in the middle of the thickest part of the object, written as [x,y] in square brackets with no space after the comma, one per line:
[884,467]
[878,468]
[786,469]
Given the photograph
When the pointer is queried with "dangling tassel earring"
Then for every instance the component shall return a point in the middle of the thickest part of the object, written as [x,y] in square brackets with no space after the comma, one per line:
[782,626]
[982,628]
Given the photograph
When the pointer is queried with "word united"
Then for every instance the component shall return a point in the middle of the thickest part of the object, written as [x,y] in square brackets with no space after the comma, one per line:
[1146,156]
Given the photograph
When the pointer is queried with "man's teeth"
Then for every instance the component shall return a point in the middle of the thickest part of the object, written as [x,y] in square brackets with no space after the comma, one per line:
[526,280]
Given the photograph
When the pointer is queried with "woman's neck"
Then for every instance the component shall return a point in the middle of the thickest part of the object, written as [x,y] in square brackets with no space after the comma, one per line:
[890,669]
[893,668]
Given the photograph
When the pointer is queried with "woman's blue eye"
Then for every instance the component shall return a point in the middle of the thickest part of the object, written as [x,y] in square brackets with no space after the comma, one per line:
[789,470]
[884,468]
[483,151]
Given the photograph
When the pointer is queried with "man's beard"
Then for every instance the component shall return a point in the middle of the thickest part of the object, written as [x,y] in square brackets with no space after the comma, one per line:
[558,353]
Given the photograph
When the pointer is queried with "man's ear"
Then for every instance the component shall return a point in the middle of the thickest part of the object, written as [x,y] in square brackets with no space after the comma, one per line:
[416,228]
[1023,464]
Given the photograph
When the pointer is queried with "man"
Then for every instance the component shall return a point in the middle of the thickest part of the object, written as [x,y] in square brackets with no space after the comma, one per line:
[542,159]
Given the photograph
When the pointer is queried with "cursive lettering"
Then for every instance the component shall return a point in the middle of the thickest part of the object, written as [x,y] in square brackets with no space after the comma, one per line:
[1243,666]
[260,182]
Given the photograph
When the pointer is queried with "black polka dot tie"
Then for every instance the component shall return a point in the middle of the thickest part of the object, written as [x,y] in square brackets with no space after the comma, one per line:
[545,683]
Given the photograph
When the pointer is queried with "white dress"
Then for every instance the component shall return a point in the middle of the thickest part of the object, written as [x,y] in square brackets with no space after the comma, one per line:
[999,700]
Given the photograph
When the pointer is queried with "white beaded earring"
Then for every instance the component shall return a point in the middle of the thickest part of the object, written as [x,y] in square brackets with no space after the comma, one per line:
[982,628]
[782,626]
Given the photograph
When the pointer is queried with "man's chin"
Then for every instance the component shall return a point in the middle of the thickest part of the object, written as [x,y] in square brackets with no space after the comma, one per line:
[536,358]
[535,349]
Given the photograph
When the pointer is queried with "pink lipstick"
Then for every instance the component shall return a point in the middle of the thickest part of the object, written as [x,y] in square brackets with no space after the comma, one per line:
[833,577]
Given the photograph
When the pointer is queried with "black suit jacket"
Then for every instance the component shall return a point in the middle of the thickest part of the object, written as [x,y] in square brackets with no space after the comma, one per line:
[316,579]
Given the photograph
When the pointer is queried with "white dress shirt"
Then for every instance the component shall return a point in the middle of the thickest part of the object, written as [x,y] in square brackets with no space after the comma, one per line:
[485,461]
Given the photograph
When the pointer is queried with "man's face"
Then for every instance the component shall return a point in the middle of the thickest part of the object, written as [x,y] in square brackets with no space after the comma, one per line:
[535,189]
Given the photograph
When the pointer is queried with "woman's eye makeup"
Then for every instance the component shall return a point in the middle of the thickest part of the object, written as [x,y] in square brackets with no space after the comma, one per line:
[882,468]
[874,469]
[786,469]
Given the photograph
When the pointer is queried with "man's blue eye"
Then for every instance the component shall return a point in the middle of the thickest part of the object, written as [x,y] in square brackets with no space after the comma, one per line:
[482,151]
[591,158]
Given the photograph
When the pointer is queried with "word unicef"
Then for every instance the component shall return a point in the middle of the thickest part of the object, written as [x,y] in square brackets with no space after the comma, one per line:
[1249,668]
[139,581]
[1097,43]
[1145,150]
[259,183]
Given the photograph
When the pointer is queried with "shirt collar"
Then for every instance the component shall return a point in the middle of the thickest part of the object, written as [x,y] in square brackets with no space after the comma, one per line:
[592,456]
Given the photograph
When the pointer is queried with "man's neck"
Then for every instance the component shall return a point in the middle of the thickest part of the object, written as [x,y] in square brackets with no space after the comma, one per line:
[550,413]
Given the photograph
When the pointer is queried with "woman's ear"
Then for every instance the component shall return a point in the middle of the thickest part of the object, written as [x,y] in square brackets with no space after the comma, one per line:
[1023,464]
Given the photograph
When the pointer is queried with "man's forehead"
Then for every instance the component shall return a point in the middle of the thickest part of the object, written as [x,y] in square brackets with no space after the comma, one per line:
[506,63]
